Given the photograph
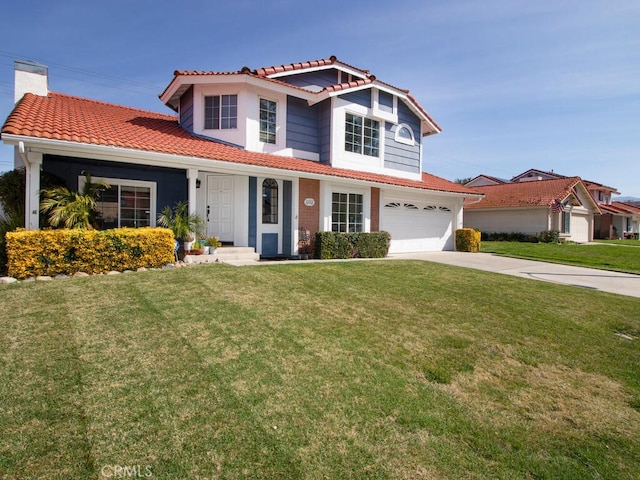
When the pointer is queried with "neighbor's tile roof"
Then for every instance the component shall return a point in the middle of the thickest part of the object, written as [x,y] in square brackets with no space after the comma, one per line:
[74,119]
[620,208]
[540,193]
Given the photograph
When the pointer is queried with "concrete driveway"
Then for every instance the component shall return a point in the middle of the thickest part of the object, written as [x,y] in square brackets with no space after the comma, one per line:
[613,282]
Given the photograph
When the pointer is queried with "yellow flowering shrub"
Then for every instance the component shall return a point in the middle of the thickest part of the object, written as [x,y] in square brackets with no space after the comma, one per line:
[467,240]
[52,252]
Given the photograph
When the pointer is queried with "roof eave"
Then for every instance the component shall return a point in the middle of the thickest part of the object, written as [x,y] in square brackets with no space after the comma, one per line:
[146,157]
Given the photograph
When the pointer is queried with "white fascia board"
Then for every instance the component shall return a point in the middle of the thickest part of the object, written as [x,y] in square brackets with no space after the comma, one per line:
[181,80]
[266,84]
[336,66]
[140,157]
[233,78]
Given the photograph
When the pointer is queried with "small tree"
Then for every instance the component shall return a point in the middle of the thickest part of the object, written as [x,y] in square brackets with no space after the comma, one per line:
[183,224]
[70,209]
[12,188]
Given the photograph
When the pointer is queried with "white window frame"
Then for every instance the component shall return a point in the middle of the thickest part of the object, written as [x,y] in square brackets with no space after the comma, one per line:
[220,107]
[152,186]
[363,213]
[362,135]
[260,131]
[398,138]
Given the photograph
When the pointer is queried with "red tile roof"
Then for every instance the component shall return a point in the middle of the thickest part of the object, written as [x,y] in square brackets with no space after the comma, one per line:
[620,208]
[74,119]
[265,73]
[541,193]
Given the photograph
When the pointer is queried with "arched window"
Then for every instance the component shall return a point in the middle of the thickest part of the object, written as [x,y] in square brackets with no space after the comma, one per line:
[404,134]
[269,201]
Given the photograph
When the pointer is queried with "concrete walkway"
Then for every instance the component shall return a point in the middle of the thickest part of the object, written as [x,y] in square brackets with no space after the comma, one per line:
[606,281]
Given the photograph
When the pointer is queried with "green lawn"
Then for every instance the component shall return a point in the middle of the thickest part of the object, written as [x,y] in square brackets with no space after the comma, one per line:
[379,369]
[627,243]
[603,256]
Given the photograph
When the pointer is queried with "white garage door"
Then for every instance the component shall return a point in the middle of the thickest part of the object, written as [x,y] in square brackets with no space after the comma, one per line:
[417,227]
[579,227]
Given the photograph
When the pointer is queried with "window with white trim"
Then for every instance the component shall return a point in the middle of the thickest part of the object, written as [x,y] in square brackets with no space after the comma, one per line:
[362,135]
[566,222]
[269,201]
[404,134]
[347,212]
[221,112]
[126,203]
[267,121]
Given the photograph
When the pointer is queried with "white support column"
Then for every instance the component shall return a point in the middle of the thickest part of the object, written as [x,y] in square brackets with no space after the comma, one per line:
[192,176]
[32,164]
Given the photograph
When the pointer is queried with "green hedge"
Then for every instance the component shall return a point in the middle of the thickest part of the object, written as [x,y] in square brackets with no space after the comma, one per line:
[331,245]
[467,240]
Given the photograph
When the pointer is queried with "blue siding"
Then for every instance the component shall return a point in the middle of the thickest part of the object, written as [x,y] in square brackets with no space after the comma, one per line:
[253,217]
[385,102]
[399,156]
[405,115]
[302,125]
[361,97]
[321,79]
[171,184]
[186,110]
[324,131]
[269,245]
[287,216]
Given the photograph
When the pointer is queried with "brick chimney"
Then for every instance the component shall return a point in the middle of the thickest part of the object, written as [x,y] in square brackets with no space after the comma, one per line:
[30,77]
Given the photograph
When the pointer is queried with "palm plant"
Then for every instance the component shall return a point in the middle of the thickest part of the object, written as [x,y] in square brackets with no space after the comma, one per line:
[72,209]
[184,225]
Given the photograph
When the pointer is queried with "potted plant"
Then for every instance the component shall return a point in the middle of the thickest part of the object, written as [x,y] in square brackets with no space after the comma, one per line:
[305,244]
[197,248]
[184,225]
[214,243]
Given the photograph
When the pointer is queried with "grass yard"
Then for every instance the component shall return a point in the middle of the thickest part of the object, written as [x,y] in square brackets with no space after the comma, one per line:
[628,243]
[603,256]
[378,369]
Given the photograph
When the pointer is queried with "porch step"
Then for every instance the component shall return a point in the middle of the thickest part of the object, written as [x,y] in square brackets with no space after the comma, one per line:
[226,255]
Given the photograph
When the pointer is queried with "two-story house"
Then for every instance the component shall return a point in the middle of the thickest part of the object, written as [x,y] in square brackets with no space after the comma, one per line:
[260,154]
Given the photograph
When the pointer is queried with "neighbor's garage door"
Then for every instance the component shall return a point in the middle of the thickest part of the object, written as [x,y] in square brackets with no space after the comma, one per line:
[416,227]
[579,227]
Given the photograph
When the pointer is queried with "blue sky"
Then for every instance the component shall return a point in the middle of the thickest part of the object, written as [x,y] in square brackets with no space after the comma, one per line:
[553,85]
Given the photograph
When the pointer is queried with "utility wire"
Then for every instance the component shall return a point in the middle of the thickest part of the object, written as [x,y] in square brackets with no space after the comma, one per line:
[102,76]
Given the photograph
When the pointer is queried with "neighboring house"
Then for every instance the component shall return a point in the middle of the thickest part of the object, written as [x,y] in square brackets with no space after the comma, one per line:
[613,220]
[259,154]
[483,180]
[618,220]
[531,207]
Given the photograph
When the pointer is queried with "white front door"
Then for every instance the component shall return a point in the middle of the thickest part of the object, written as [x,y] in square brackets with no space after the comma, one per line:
[220,207]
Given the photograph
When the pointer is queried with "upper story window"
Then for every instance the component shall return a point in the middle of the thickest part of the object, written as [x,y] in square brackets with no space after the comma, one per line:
[269,201]
[404,134]
[362,135]
[221,112]
[267,121]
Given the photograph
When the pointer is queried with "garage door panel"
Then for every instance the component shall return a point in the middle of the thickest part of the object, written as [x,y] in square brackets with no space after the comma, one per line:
[417,228]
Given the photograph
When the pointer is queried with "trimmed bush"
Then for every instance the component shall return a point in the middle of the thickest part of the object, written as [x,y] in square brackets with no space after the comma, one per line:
[331,245]
[467,240]
[52,252]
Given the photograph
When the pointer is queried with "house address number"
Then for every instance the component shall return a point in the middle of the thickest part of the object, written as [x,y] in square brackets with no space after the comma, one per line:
[309,202]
